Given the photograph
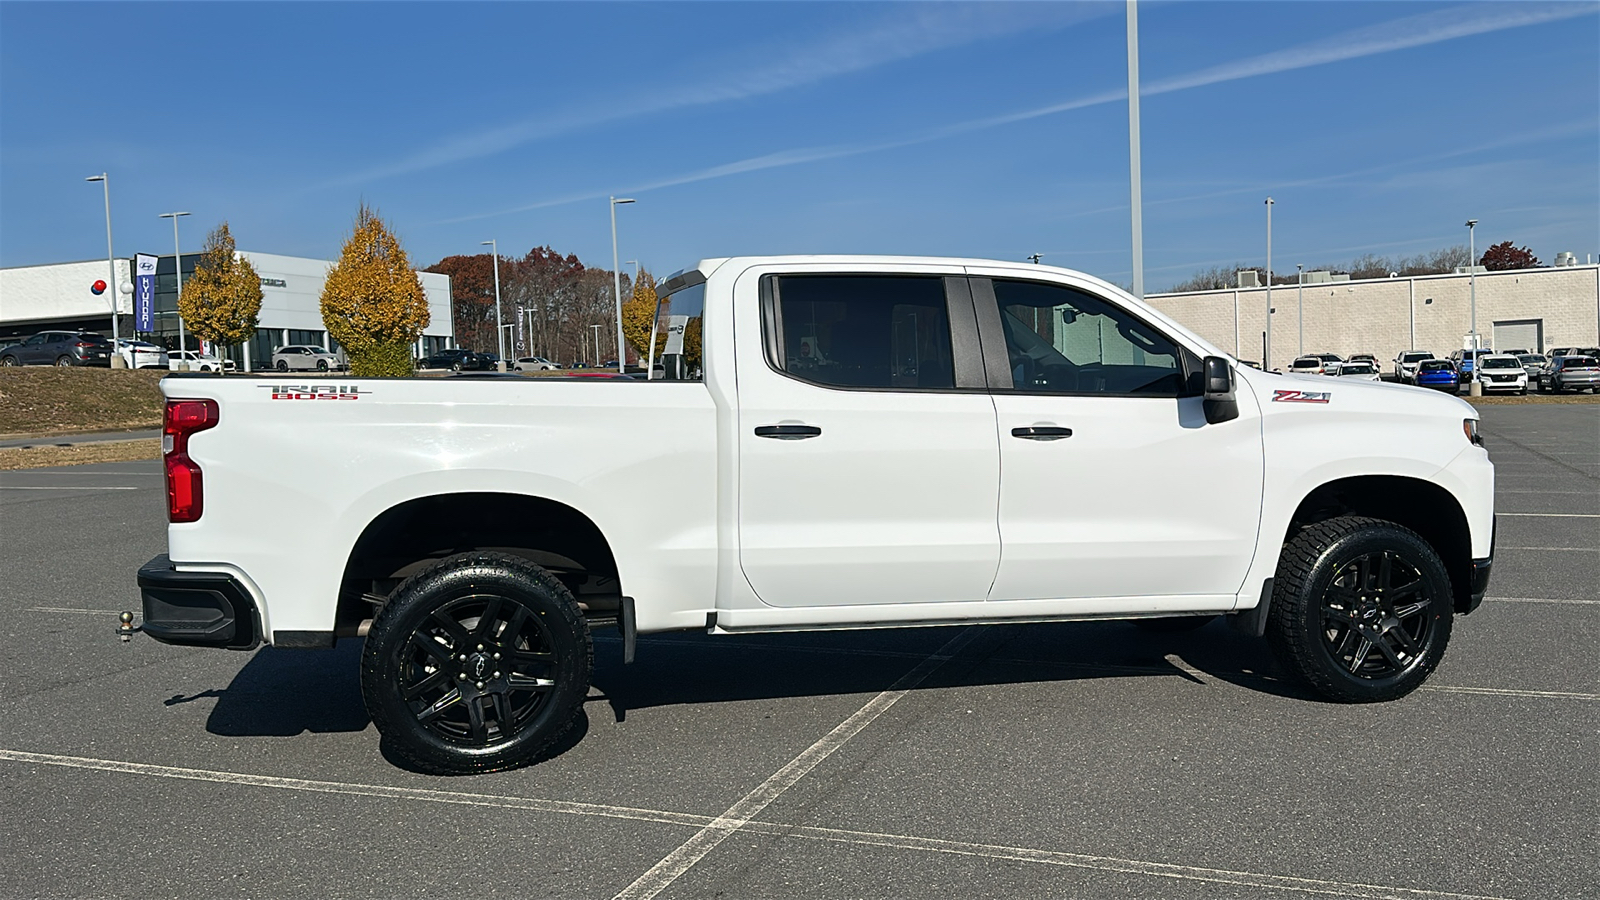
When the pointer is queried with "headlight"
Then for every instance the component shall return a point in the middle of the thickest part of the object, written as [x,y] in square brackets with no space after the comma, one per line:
[1470,427]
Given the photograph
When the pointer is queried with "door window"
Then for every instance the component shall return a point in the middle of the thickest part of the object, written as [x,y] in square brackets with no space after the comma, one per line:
[1064,341]
[864,331]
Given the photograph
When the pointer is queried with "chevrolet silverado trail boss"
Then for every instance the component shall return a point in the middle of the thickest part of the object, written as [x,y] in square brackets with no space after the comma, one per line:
[821,442]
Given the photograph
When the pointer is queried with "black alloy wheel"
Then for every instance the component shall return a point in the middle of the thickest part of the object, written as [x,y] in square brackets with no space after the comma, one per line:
[476,663]
[1361,609]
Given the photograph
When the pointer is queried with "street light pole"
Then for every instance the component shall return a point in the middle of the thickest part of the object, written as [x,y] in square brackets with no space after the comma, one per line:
[616,288]
[177,269]
[500,335]
[596,345]
[1133,149]
[117,362]
[1267,363]
[1300,317]
[1474,389]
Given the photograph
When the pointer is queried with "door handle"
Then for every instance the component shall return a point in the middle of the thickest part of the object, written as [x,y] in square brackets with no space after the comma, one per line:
[1041,432]
[788,432]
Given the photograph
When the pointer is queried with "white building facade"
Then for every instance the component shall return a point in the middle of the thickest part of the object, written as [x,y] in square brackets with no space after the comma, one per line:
[1532,309]
[60,296]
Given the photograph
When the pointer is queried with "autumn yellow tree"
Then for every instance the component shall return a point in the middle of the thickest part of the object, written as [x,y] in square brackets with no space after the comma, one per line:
[372,301]
[221,300]
[638,316]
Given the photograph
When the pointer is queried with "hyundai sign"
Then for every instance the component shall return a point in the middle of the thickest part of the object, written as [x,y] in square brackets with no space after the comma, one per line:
[144,293]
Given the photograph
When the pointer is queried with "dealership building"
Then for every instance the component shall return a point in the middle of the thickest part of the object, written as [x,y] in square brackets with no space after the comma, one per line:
[63,296]
[1519,309]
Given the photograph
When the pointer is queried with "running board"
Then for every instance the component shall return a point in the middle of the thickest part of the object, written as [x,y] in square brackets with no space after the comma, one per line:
[714,628]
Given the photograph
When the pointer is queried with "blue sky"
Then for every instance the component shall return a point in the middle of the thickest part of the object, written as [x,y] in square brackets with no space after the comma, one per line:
[994,130]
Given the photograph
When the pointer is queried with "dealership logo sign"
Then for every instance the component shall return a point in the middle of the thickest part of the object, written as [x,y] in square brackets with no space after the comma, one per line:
[144,293]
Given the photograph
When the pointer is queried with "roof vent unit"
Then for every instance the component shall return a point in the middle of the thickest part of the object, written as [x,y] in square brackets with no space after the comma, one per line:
[1344,276]
[1464,270]
[1566,258]
[1319,276]
[1248,278]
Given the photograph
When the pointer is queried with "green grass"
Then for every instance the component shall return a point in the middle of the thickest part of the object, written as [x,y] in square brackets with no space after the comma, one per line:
[46,400]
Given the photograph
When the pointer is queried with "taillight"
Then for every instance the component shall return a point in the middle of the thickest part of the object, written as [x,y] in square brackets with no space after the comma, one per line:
[185,491]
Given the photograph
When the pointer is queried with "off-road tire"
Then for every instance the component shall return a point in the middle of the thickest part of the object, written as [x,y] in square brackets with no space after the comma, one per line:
[439,615]
[1310,608]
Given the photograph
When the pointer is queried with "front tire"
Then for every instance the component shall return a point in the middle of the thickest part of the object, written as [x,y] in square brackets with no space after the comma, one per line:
[477,663]
[1361,609]
[322,365]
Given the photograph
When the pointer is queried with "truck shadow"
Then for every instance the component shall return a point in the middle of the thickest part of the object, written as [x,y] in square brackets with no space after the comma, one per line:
[678,669]
[281,693]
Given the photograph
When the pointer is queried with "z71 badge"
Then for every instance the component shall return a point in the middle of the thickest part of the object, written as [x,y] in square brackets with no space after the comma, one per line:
[1301,396]
[314,391]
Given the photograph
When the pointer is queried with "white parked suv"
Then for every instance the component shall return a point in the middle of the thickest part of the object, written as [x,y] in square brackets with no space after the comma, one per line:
[534,364]
[1502,372]
[1405,365]
[198,362]
[304,357]
[142,354]
[833,442]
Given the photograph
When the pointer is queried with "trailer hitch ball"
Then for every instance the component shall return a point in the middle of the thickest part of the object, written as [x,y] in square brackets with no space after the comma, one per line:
[125,627]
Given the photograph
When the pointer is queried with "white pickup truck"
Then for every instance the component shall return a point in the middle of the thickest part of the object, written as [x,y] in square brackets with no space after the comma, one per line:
[824,442]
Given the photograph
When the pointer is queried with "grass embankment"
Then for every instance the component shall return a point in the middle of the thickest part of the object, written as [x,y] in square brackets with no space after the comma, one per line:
[1497,399]
[39,457]
[41,400]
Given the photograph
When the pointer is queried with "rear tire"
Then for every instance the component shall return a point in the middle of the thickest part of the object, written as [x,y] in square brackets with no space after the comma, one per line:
[63,361]
[1361,610]
[282,366]
[477,663]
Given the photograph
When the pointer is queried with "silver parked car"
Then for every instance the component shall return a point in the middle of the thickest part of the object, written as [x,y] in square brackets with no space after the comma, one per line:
[1359,370]
[534,364]
[1572,373]
[304,357]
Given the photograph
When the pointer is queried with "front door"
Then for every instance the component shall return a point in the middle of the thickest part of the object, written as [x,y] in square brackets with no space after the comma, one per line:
[1113,484]
[868,465]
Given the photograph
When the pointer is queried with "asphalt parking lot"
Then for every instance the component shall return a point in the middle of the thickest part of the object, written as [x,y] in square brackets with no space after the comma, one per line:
[1068,760]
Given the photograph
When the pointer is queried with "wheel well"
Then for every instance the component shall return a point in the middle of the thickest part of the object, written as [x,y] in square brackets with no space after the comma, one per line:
[408,537]
[1422,506]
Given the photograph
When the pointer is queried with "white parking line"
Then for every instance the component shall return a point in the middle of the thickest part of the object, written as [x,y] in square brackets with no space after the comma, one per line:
[1568,549]
[674,864]
[1510,692]
[61,487]
[1552,515]
[832,835]
[1539,600]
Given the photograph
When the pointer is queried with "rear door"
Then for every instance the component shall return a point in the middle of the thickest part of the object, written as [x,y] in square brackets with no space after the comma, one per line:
[1113,485]
[868,464]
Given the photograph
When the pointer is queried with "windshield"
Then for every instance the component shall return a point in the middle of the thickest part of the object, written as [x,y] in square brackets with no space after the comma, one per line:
[1356,369]
[1580,362]
[1530,359]
[1502,363]
[1415,356]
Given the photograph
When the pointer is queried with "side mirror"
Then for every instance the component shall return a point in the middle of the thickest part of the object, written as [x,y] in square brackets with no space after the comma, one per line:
[1217,383]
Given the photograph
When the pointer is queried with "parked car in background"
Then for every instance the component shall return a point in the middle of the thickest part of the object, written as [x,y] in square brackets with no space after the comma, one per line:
[1405,365]
[1571,373]
[1502,372]
[1439,374]
[1533,364]
[142,354]
[1366,358]
[198,362]
[1463,360]
[1360,370]
[304,357]
[1330,362]
[534,364]
[457,359]
[59,348]
[1306,365]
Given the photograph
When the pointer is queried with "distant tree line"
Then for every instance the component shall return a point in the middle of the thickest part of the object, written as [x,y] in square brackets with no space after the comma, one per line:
[553,300]
[1502,256]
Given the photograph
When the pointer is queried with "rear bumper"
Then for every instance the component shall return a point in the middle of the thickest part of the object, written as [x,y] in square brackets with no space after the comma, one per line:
[197,609]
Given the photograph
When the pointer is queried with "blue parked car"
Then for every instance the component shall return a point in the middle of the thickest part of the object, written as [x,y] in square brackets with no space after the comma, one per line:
[1464,360]
[1439,374]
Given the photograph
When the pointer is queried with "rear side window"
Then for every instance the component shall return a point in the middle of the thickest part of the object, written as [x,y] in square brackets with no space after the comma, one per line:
[865,331]
[678,348]
[1064,341]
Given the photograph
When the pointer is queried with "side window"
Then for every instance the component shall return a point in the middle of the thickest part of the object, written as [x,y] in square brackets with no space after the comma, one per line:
[1063,341]
[864,331]
[680,319]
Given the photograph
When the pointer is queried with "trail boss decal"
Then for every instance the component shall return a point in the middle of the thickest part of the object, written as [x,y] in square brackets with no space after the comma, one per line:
[314,391]
[1301,396]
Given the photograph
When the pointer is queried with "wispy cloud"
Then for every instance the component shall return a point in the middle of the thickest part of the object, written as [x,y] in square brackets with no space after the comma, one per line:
[907,32]
[1398,34]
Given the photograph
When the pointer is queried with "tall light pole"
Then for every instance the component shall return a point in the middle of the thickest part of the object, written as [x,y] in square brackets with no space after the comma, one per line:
[1267,363]
[1133,149]
[596,345]
[1474,389]
[616,287]
[500,334]
[635,264]
[177,269]
[117,362]
[1300,317]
